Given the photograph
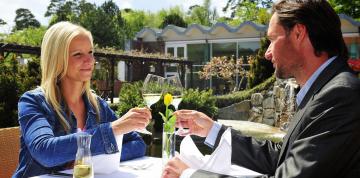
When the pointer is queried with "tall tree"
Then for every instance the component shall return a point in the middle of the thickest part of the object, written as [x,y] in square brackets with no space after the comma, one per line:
[173,19]
[108,27]
[2,22]
[54,7]
[61,10]
[260,68]
[248,10]
[202,15]
[135,20]
[351,8]
[24,19]
[28,36]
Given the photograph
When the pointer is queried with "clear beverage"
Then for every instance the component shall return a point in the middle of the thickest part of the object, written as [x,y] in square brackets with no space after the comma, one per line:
[83,171]
[83,167]
[176,101]
[151,92]
[151,98]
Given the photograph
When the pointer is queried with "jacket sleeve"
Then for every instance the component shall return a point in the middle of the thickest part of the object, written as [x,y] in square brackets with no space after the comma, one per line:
[256,155]
[133,144]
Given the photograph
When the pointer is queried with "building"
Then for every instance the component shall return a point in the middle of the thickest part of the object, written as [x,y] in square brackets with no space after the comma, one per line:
[200,43]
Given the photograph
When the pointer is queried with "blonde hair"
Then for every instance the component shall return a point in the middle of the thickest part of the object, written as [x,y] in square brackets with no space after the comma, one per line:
[54,65]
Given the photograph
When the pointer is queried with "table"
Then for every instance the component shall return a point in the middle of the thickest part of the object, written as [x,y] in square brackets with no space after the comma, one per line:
[146,167]
[143,167]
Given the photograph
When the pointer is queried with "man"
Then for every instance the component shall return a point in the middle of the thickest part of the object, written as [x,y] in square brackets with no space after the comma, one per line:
[323,139]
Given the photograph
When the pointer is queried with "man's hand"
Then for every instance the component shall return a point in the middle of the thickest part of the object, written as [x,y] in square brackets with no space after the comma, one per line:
[198,123]
[174,168]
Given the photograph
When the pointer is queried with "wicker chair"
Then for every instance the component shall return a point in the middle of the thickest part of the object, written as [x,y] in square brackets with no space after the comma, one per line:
[9,150]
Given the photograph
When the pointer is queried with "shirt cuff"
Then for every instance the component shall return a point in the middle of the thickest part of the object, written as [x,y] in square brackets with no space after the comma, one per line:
[213,133]
[187,173]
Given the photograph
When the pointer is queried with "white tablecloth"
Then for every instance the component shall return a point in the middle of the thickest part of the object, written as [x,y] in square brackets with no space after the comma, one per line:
[152,168]
[145,167]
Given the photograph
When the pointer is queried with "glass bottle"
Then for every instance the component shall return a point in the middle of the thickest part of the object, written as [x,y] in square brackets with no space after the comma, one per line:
[83,167]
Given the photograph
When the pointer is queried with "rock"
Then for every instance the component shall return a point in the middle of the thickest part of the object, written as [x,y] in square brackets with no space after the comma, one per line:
[269,103]
[257,99]
[238,111]
[270,122]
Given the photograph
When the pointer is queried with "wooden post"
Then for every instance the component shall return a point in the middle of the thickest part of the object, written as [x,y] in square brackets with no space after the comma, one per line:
[112,78]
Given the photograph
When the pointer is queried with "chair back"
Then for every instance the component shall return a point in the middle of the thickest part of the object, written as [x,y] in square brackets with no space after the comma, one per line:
[9,150]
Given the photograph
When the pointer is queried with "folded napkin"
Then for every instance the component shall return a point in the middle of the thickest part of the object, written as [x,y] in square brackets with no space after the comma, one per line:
[108,163]
[219,161]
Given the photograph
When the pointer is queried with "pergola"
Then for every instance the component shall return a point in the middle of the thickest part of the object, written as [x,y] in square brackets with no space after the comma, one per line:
[7,48]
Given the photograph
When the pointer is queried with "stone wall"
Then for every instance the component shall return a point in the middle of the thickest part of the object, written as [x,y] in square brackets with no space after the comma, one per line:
[273,107]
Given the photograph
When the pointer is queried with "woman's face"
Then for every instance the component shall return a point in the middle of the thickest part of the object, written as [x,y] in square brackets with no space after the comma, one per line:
[81,59]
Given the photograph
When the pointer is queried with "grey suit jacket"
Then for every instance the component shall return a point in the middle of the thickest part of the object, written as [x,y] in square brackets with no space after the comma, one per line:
[323,139]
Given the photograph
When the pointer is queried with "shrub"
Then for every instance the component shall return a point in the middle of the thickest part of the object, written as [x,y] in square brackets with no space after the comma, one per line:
[130,96]
[260,68]
[235,97]
[10,89]
[14,81]
[202,101]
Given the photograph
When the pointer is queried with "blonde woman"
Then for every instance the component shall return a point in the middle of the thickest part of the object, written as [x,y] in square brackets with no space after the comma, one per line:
[50,115]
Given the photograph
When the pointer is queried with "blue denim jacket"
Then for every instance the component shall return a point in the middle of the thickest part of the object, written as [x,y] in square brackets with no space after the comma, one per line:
[46,147]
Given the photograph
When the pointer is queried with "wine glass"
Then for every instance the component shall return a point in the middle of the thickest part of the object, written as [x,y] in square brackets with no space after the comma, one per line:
[151,92]
[175,88]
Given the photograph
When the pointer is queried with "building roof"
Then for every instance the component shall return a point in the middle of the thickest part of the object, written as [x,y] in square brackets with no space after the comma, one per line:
[222,30]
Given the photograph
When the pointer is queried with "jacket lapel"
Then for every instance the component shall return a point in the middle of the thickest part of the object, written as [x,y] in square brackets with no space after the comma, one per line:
[325,76]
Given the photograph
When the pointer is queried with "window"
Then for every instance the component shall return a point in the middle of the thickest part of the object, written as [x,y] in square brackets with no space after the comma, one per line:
[224,49]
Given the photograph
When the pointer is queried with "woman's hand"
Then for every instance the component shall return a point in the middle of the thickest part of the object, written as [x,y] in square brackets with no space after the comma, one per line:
[135,118]
[174,168]
[198,123]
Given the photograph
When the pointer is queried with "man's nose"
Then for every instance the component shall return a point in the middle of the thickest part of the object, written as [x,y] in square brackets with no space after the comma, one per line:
[268,54]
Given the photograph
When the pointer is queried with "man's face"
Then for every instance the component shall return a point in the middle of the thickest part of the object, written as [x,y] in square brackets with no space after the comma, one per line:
[281,51]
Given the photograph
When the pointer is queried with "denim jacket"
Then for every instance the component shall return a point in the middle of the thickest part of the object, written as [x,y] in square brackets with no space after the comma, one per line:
[46,147]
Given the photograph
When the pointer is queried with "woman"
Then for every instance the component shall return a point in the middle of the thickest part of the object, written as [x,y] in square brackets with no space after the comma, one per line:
[50,115]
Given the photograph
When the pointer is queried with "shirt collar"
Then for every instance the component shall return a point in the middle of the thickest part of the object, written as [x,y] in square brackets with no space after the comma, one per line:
[300,96]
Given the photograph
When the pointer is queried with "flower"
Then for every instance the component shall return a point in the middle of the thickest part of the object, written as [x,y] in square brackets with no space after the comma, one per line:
[168,99]
[168,146]
[169,118]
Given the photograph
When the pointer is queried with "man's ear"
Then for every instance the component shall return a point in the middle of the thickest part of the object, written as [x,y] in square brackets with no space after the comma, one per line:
[299,31]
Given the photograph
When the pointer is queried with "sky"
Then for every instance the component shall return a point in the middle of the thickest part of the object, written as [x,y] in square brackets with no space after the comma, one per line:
[38,8]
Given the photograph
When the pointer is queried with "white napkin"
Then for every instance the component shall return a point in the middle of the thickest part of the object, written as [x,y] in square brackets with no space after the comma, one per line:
[219,161]
[108,163]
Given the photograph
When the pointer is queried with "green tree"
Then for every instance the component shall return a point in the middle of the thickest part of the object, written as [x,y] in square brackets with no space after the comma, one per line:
[54,7]
[173,19]
[107,26]
[351,8]
[2,22]
[87,13]
[248,10]
[29,36]
[24,19]
[202,15]
[260,68]
[14,81]
[61,10]
[134,20]
[10,89]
